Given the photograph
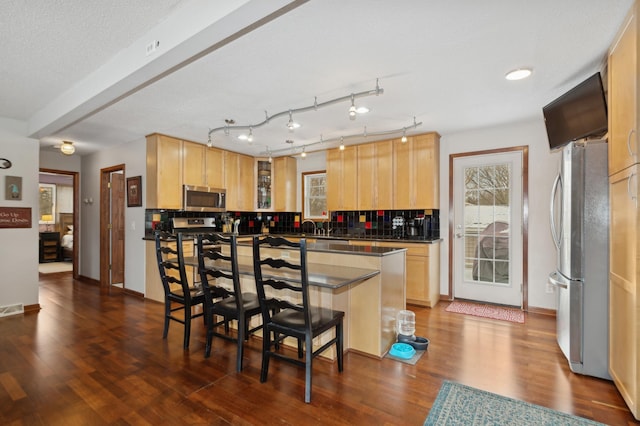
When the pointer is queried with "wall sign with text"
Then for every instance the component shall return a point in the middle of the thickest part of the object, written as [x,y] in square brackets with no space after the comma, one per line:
[15,217]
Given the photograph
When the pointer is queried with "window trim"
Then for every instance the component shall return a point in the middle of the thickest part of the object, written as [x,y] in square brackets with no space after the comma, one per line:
[303,179]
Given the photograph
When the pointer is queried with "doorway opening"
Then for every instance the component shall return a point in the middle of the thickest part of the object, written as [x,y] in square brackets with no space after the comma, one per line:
[488,226]
[58,221]
[112,196]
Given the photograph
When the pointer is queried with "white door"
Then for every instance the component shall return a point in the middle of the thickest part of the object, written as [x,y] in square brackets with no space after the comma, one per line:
[487,244]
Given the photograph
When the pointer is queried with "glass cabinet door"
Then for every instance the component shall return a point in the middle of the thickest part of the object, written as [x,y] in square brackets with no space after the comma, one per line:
[264,184]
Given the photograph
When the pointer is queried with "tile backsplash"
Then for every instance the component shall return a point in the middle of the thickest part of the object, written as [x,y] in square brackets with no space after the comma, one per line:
[375,224]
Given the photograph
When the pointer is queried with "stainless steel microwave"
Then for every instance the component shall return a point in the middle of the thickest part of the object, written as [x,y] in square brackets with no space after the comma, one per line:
[203,199]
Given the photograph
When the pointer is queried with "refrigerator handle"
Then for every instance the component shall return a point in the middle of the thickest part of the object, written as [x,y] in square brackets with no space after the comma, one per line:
[633,197]
[554,282]
[631,153]
[552,207]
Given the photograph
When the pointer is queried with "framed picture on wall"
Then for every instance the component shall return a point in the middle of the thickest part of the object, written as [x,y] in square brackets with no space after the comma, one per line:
[47,204]
[134,191]
[13,188]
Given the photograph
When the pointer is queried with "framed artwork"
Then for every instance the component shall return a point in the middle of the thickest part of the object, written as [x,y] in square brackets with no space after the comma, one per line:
[13,188]
[47,204]
[134,191]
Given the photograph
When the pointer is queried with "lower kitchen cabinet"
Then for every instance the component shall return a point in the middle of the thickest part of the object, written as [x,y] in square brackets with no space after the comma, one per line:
[153,285]
[422,269]
[624,302]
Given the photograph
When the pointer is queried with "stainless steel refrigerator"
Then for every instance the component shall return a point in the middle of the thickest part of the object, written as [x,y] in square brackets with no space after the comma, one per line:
[580,229]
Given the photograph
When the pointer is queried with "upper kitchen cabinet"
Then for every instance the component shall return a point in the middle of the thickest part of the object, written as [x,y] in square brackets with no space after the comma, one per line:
[263,184]
[193,164]
[416,171]
[239,178]
[284,184]
[215,168]
[342,175]
[375,176]
[623,96]
[164,172]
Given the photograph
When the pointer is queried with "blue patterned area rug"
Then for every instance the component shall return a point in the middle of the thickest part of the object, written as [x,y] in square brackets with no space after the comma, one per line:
[458,404]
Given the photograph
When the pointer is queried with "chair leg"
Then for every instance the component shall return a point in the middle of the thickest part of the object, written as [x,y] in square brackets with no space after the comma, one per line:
[308,368]
[187,326]
[300,352]
[339,345]
[266,348]
[241,333]
[208,319]
[167,316]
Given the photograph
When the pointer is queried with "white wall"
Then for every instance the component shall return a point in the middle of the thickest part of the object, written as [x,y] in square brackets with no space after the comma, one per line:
[543,167]
[133,156]
[55,160]
[19,246]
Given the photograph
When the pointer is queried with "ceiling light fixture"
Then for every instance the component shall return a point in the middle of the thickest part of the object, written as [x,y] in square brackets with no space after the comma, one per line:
[322,142]
[352,109]
[230,124]
[303,154]
[67,148]
[292,124]
[250,137]
[404,136]
[518,74]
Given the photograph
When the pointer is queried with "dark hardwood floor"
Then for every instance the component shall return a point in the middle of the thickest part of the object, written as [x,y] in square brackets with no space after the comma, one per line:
[92,359]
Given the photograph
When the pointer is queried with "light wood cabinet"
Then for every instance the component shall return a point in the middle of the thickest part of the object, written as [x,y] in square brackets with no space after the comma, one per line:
[164,172]
[375,176]
[416,172]
[215,168]
[624,315]
[193,164]
[342,171]
[284,184]
[239,177]
[153,284]
[623,97]
[422,266]
[423,272]
[624,272]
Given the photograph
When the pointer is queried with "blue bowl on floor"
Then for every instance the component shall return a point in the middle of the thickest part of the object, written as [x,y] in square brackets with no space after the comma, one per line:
[402,350]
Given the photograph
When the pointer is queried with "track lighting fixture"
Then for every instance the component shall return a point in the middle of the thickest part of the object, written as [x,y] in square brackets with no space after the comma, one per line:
[250,137]
[322,142]
[230,124]
[67,148]
[352,110]
[292,124]
[404,136]
[303,154]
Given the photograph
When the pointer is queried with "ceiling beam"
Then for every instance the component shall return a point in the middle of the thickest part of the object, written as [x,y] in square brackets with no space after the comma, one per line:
[192,31]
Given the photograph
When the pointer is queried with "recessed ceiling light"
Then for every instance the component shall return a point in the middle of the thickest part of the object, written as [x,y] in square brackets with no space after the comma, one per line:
[518,74]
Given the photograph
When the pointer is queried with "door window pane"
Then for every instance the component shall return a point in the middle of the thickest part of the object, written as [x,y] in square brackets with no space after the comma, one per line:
[486,232]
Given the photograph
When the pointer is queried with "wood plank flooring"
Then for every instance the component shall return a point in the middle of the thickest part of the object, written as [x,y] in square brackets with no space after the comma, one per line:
[96,359]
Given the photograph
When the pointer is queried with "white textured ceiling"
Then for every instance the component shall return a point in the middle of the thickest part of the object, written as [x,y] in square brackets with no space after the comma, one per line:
[440,62]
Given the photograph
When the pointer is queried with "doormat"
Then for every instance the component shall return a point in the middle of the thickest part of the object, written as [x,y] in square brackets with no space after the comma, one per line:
[458,404]
[487,311]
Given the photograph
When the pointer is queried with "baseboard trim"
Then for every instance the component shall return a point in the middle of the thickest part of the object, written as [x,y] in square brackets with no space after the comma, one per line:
[541,311]
[29,309]
[85,279]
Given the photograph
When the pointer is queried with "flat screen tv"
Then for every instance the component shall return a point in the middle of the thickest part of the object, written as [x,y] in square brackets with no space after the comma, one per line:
[578,114]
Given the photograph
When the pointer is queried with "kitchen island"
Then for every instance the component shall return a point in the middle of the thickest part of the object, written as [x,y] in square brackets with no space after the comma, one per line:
[366,282]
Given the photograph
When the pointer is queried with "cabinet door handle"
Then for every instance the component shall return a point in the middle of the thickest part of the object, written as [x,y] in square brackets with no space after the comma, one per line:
[631,153]
[634,197]
[459,235]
